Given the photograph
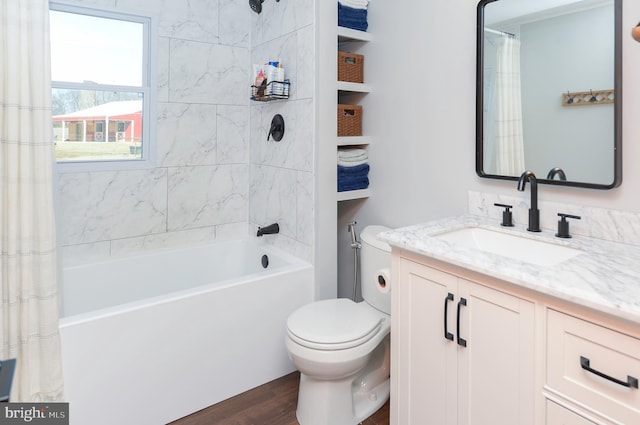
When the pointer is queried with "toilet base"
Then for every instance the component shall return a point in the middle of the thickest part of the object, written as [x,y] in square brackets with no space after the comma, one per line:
[347,408]
[371,389]
[366,404]
[349,400]
[315,395]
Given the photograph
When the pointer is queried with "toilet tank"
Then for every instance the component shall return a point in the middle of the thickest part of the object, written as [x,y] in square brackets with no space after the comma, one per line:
[375,269]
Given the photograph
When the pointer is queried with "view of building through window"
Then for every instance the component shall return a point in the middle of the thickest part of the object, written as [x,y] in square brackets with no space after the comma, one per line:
[97,128]
[99,86]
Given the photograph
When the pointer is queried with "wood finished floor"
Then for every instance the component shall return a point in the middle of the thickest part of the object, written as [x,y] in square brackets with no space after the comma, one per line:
[273,403]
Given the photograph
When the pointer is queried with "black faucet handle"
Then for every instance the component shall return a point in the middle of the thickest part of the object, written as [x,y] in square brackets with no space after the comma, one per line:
[507,216]
[563,225]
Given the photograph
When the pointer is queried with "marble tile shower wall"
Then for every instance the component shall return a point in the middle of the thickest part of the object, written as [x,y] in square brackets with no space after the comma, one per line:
[282,173]
[199,189]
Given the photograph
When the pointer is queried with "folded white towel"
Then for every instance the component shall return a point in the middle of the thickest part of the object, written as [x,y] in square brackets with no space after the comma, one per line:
[352,153]
[352,163]
[355,4]
[343,161]
[353,160]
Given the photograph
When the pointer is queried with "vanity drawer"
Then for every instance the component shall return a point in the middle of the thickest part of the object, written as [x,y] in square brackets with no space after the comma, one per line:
[558,415]
[584,361]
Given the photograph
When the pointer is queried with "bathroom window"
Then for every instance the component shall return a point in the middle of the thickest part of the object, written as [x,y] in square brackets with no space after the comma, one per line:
[102,90]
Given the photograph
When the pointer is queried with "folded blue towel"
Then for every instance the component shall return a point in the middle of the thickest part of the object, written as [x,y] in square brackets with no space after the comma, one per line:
[359,26]
[353,178]
[358,170]
[350,12]
[346,184]
[352,18]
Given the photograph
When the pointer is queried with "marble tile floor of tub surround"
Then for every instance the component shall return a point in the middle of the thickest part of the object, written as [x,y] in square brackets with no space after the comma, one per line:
[273,403]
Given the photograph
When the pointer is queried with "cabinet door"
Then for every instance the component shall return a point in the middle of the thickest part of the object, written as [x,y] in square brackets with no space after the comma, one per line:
[496,368]
[425,359]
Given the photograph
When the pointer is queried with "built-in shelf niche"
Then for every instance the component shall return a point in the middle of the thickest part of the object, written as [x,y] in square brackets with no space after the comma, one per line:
[345,86]
[354,140]
[349,91]
[354,194]
[346,35]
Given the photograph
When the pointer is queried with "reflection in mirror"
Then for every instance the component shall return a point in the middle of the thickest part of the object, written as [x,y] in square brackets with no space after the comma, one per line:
[549,95]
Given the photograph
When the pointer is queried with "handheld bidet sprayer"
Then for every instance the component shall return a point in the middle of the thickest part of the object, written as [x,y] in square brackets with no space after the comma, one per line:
[351,227]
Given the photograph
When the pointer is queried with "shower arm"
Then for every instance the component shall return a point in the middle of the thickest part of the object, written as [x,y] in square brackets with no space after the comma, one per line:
[256,5]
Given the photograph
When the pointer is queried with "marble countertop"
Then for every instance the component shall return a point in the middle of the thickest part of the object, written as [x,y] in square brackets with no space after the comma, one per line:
[605,277]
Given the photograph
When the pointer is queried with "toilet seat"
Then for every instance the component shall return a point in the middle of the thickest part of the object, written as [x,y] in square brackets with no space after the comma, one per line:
[335,324]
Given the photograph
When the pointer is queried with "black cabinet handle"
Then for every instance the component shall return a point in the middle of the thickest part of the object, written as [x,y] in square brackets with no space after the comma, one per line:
[630,383]
[461,341]
[448,335]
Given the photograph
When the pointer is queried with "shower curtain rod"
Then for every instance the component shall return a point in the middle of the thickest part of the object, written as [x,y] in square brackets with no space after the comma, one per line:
[499,32]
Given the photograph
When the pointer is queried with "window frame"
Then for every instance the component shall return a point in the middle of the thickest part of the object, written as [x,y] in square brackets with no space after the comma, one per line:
[148,90]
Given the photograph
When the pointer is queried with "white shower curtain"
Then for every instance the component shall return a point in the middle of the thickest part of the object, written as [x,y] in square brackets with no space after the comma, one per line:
[510,143]
[28,274]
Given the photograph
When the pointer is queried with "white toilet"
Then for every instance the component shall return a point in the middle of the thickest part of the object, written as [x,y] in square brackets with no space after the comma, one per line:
[342,348]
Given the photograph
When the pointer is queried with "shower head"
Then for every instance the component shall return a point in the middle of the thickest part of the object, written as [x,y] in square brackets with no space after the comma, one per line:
[256,5]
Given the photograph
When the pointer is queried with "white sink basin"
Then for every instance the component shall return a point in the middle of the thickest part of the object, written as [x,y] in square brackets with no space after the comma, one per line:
[509,245]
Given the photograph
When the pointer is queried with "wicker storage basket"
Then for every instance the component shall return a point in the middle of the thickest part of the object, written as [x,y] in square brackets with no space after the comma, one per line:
[350,67]
[349,120]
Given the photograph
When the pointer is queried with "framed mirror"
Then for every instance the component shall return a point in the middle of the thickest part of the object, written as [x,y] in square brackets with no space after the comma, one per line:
[549,91]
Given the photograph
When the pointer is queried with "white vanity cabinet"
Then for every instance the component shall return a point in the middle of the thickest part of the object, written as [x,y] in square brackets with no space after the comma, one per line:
[462,351]
[546,344]
[468,349]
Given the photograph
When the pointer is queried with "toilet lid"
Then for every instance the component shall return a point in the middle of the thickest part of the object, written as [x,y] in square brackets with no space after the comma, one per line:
[333,324]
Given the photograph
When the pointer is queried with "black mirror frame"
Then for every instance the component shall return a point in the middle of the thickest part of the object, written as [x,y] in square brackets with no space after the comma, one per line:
[617,106]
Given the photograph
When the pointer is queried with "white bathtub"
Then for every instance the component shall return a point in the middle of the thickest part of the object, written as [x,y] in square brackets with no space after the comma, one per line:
[154,337]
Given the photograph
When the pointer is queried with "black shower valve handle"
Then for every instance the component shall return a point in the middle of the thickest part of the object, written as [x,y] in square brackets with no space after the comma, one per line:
[271,130]
[277,128]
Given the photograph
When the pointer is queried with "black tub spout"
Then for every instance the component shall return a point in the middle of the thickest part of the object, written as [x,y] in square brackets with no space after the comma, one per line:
[268,230]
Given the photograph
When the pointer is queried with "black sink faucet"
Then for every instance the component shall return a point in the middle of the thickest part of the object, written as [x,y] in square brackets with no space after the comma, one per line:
[534,212]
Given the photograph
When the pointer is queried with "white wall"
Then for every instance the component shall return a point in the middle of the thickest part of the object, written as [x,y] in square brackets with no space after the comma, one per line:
[421,114]
[422,117]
